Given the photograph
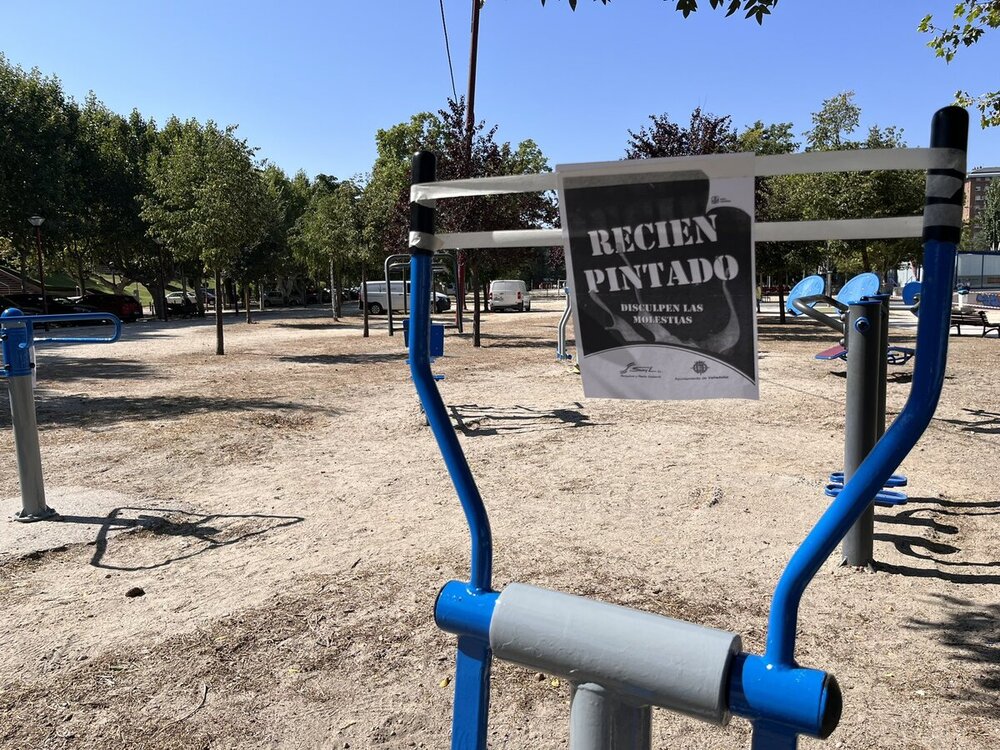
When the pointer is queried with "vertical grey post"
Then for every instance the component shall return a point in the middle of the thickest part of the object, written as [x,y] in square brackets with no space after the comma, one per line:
[864,350]
[590,713]
[883,368]
[561,340]
[29,456]
[600,720]
[632,727]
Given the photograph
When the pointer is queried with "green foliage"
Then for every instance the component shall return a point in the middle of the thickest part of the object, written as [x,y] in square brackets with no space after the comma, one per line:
[207,199]
[988,218]
[36,152]
[752,8]
[971,20]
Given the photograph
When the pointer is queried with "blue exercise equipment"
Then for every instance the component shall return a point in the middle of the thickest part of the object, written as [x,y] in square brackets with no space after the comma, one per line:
[17,344]
[621,661]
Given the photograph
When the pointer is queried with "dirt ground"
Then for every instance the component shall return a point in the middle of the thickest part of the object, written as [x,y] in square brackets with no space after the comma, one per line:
[289,519]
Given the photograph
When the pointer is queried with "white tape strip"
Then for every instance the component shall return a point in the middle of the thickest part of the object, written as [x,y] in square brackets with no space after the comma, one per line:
[841,229]
[425,241]
[775,231]
[812,162]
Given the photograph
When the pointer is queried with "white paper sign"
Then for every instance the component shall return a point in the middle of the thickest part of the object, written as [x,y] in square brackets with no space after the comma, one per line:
[660,258]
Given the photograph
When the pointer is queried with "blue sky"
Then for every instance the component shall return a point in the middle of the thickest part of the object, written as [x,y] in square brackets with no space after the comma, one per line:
[309,82]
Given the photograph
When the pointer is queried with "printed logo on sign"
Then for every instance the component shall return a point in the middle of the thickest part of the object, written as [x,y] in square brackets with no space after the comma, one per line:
[700,367]
[632,370]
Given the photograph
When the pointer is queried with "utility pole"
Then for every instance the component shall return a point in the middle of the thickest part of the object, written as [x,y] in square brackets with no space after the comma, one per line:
[470,122]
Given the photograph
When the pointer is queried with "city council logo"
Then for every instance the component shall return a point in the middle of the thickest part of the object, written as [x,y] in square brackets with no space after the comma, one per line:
[700,367]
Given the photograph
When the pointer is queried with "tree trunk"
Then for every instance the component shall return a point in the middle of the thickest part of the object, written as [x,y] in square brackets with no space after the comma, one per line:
[475,307]
[220,344]
[338,297]
[246,302]
[199,295]
[364,307]
[333,294]
[236,298]
[24,271]
[161,292]
[866,261]
[781,303]
[80,277]
[260,294]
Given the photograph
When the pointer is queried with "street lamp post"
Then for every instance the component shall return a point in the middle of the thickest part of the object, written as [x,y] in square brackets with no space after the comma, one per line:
[36,222]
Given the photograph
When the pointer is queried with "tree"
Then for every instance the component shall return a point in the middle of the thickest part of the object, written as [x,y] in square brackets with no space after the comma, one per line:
[207,200]
[972,19]
[705,134]
[754,8]
[329,235]
[36,132]
[988,217]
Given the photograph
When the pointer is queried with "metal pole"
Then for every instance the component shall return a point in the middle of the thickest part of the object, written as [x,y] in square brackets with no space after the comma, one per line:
[29,456]
[633,727]
[590,712]
[864,352]
[883,368]
[16,340]
[561,339]
[388,295]
[41,269]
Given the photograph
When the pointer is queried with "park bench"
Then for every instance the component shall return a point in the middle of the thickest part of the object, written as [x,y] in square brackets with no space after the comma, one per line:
[961,318]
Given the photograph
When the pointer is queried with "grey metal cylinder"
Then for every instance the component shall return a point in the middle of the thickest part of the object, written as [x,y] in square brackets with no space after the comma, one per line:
[590,712]
[883,369]
[865,354]
[645,659]
[600,720]
[26,448]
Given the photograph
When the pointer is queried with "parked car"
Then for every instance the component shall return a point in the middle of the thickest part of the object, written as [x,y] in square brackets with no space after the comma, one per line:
[373,295]
[508,294]
[272,298]
[126,307]
[56,305]
[181,307]
[27,309]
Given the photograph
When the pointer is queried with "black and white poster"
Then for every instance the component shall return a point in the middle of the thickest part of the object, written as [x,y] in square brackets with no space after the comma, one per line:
[660,262]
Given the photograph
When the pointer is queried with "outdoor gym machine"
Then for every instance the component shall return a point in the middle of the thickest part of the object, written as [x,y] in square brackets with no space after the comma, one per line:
[863,323]
[622,662]
[402,260]
[17,342]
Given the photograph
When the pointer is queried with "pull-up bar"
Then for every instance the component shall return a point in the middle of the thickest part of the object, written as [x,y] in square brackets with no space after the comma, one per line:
[624,661]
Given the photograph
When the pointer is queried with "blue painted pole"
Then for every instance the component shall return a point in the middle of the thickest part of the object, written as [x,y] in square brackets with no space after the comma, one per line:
[472,668]
[942,230]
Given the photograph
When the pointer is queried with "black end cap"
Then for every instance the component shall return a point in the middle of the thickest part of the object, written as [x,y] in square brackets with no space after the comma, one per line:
[833,707]
[950,128]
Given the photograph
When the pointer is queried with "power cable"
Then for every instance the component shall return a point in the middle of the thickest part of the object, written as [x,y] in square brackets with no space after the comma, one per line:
[447,48]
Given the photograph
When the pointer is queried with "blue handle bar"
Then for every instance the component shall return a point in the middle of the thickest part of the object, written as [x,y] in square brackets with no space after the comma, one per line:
[13,315]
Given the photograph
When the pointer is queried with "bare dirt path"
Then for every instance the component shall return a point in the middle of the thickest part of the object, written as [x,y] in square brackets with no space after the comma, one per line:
[289,519]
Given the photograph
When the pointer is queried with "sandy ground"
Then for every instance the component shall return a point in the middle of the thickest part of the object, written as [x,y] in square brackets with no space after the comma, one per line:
[288,517]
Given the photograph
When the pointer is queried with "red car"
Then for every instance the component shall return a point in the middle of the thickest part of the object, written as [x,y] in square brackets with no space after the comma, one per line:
[125,307]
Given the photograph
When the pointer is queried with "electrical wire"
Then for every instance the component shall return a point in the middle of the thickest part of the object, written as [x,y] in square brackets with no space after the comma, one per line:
[447,48]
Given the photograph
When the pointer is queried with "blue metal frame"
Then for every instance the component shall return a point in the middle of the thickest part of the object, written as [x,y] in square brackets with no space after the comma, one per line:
[780,698]
[17,336]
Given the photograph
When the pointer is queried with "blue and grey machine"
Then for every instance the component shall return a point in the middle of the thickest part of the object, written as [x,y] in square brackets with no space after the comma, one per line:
[622,662]
[17,343]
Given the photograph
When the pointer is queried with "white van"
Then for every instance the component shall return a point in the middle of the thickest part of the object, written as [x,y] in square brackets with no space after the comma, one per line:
[373,295]
[508,294]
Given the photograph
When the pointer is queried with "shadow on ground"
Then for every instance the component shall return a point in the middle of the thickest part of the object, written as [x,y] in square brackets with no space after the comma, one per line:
[972,632]
[473,420]
[944,557]
[83,411]
[978,421]
[358,358]
[206,532]
[58,368]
